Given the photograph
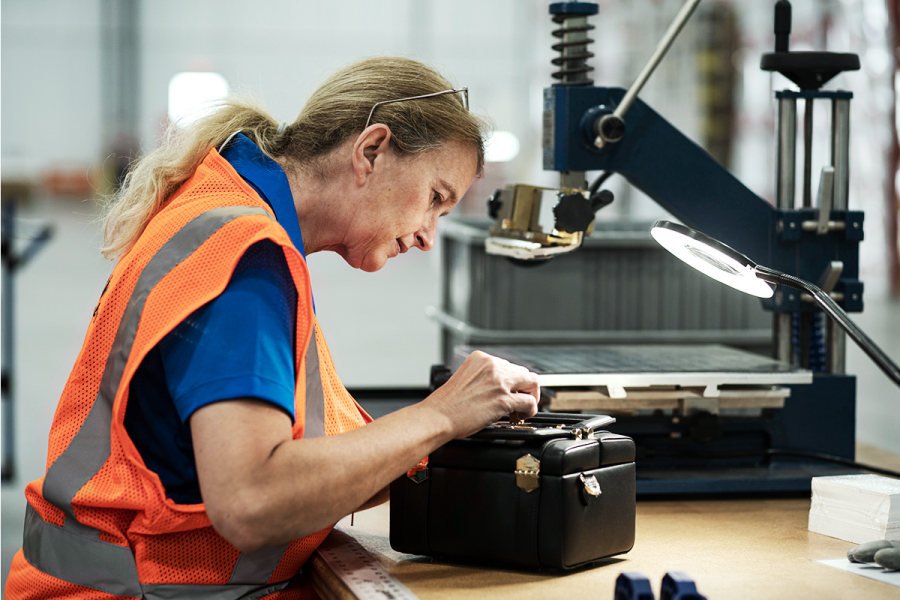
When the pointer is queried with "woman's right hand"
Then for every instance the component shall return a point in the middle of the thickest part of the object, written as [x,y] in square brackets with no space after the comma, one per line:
[484,389]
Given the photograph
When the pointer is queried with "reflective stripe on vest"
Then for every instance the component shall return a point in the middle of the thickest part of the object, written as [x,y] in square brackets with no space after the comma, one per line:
[314,423]
[74,552]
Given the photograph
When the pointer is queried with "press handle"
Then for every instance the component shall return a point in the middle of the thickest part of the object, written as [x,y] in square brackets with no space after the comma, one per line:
[611,127]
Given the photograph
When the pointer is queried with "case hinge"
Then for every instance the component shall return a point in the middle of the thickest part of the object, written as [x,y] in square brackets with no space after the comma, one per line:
[528,473]
[585,433]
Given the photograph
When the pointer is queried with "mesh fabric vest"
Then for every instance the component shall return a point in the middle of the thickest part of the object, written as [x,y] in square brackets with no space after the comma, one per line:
[98,524]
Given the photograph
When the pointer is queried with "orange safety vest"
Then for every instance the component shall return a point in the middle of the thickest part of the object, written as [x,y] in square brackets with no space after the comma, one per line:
[99,524]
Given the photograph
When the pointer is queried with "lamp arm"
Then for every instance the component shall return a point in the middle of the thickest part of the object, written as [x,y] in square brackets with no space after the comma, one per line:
[838,314]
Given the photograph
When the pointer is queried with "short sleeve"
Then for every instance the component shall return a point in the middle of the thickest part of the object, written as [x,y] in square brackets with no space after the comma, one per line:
[240,344]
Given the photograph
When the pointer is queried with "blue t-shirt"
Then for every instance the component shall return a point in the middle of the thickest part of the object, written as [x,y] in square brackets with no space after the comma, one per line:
[238,345]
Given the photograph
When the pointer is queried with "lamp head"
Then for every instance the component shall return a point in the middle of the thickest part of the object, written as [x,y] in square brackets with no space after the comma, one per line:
[729,266]
[711,257]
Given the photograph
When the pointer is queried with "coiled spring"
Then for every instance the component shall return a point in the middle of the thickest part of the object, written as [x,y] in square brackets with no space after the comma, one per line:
[818,351]
[573,52]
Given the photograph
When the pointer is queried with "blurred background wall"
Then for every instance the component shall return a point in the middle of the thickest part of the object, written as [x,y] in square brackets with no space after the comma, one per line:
[85,88]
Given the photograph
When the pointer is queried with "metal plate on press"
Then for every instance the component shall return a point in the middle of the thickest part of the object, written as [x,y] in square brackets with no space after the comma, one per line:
[639,365]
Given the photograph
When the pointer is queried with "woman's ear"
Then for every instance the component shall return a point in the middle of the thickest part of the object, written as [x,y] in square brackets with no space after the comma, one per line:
[371,145]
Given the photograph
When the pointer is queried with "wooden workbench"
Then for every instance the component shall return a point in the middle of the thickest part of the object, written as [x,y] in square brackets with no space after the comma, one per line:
[733,549]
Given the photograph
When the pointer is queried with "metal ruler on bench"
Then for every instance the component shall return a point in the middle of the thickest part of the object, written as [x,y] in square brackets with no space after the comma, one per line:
[341,569]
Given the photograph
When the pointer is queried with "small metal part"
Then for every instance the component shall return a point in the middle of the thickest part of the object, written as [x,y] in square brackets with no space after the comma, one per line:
[814,225]
[830,276]
[835,336]
[783,329]
[573,34]
[825,199]
[514,418]
[787,153]
[808,298]
[807,152]
[591,485]
[572,181]
[528,473]
[511,426]
[840,151]
[609,128]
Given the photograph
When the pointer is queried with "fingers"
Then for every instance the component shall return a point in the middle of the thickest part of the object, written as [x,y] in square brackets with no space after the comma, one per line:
[531,388]
[515,377]
[484,389]
[525,405]
[518,384]
[525,391]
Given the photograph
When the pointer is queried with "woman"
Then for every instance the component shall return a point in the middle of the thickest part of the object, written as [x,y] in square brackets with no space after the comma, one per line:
[203,446]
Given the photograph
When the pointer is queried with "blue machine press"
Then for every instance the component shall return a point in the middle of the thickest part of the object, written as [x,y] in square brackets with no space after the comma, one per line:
[814,236]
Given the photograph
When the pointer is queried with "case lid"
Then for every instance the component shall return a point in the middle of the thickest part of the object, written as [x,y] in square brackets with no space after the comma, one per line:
[562,451]
[546,426]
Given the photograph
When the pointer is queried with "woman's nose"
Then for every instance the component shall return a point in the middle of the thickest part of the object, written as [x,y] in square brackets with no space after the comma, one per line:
[426,235]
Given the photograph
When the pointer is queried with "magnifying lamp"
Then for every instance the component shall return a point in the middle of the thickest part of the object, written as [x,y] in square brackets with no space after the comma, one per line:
[727,265]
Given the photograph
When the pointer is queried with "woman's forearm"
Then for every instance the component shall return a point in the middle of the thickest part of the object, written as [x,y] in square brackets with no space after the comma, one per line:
[275,489]
[262,488]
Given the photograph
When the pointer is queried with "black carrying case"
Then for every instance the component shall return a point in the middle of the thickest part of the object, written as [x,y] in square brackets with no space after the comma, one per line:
[483,499]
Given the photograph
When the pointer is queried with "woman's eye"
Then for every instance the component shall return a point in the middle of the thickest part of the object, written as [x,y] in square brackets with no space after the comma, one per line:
[437,198]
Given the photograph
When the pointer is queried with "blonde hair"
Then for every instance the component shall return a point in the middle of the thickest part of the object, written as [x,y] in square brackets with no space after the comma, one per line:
[337,110]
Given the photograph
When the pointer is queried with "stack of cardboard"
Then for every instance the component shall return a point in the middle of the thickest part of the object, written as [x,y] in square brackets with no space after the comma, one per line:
[856,508]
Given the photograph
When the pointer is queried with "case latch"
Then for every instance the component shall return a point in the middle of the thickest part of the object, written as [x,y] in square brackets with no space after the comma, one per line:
[591,485]
[528,473]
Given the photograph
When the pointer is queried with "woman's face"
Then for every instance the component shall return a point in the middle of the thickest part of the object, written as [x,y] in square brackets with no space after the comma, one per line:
[403,201]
